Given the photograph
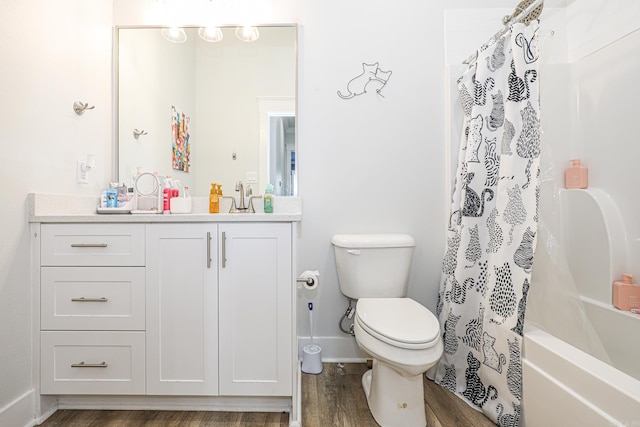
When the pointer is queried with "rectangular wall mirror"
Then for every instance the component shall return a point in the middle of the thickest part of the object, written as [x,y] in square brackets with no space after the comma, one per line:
[203,111]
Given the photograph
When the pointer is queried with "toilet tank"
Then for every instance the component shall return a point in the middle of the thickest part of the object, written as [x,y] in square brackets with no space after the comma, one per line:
[373,265]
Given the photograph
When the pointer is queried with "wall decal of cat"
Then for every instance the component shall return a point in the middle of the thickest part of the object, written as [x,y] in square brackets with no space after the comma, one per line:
[371,75]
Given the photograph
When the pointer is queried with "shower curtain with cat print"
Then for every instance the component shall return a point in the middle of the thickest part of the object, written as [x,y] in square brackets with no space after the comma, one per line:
[492,227]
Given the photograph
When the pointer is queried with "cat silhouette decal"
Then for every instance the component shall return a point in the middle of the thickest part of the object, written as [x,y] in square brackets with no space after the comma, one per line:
[372,76]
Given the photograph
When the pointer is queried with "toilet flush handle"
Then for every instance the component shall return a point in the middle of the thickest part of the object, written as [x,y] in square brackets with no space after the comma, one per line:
[354,251]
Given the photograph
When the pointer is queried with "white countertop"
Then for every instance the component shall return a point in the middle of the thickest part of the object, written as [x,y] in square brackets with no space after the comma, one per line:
[56,208]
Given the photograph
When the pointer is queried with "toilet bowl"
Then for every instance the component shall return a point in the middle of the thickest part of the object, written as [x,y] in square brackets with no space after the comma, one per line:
[403,338]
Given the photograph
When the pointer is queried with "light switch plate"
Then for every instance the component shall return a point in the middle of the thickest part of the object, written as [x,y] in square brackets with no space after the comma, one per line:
[252,177]
[83,175]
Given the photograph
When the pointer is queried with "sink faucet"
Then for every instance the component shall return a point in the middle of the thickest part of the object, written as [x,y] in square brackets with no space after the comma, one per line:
[240,188]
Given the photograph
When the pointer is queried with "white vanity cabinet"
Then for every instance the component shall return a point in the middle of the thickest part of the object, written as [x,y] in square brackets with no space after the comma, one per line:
[92,305]
[255,288]
[194,310]
[182,309]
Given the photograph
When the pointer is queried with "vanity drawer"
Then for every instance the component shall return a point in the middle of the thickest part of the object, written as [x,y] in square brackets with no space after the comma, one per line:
[92,244]
[92,363]
[92,298]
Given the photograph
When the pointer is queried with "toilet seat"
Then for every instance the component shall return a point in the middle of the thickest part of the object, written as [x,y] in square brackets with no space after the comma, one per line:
[400,322]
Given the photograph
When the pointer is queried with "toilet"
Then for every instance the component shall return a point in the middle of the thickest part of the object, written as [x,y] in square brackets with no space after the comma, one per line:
[401,336]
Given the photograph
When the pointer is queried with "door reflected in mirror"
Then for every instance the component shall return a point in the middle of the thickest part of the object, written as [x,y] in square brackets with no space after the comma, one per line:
[235,104]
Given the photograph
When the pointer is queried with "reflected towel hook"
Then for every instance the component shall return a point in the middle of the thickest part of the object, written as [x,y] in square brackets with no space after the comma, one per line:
[137,133]
[79,107]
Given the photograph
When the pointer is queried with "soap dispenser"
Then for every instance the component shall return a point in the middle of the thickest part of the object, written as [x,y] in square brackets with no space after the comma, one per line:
[576,176]
[626,294]
[214,199]
[268,199]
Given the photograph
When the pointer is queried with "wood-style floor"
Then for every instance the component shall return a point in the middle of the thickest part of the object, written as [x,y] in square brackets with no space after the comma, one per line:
[332,399]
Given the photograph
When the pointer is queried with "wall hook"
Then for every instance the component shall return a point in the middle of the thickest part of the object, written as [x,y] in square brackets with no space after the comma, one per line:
[79,107]
[137,133]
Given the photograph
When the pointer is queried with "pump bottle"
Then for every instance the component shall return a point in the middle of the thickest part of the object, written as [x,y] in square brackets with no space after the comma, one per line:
[576,176]
[268,199]
[214,199]
[626,294]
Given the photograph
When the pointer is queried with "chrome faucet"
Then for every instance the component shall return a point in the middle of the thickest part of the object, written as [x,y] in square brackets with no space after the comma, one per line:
[240,188]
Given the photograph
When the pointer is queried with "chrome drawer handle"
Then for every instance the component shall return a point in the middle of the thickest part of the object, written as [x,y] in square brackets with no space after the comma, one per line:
[89,365]
[85,299]
[88,245]
[208,249]
[224,249]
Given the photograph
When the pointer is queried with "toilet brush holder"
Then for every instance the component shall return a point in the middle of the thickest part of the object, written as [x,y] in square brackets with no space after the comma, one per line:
[312,359]
[311,353]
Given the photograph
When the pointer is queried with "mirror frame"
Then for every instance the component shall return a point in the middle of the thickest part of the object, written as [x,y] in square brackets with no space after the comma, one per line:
[115,154]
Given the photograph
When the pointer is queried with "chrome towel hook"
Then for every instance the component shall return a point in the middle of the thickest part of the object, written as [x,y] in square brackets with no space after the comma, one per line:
[137,133]
[79,107]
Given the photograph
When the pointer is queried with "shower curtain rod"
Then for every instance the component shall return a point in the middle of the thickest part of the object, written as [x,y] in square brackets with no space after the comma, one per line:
[518,15]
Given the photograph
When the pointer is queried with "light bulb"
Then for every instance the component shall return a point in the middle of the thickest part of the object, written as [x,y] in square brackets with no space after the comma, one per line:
[247,33]
[174,34]
[210,34]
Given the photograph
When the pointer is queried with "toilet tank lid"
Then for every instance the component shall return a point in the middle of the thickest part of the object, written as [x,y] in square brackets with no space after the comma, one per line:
[373,241]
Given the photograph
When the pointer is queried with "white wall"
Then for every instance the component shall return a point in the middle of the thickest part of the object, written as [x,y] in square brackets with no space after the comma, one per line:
[54,53]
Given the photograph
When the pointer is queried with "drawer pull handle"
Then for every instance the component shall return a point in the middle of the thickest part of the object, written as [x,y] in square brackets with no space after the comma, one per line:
[88,245]
[89,365]
[208,249]
[224,249]
[85,299]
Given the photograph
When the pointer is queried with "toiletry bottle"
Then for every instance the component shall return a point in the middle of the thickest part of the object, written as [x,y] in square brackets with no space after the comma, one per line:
[166,195]
[214,200]
[576,176]
[175,188]
[626,294]
[268,199]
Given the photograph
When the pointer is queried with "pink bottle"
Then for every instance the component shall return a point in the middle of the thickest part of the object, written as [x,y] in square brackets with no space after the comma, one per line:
[166,195]
[576,176]
[626,294]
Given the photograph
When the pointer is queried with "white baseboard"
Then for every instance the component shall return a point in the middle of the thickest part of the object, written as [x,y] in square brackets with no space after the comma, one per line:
[19,412]
[177,403]
[336,349]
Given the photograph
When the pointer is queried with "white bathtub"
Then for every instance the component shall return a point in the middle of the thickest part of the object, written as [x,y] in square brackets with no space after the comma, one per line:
[562,385]
[565,387]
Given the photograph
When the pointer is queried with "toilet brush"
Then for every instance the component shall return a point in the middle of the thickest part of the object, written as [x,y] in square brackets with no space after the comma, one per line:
[310,305]
[312,354]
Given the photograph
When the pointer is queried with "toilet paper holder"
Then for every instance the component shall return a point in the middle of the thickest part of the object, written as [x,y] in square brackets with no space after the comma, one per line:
[310,281]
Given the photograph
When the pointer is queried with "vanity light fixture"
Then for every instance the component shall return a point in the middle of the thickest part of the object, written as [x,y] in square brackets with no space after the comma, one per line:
[247,33]
[174,34]
[210,34]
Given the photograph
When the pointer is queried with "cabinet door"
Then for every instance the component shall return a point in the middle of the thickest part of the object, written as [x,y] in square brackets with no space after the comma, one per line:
[255,309]
[182,309]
